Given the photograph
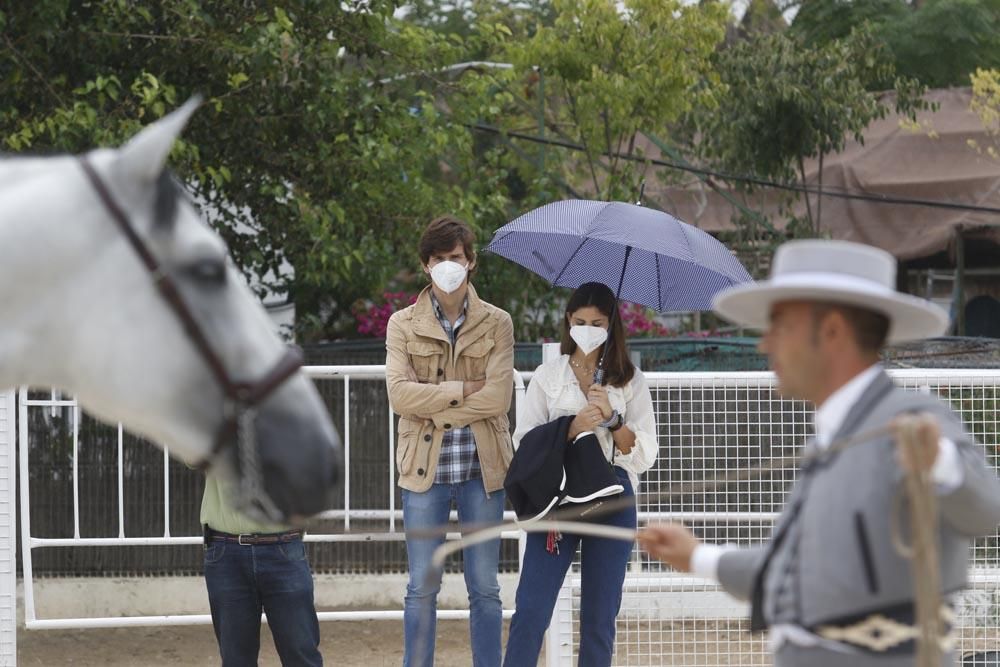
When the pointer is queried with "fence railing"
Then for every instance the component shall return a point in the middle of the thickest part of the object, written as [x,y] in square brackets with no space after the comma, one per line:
[341,517]
[707,424]
[712,423]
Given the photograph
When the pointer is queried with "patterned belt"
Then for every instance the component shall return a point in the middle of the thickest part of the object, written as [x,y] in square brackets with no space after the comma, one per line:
[253,539]
[888,633]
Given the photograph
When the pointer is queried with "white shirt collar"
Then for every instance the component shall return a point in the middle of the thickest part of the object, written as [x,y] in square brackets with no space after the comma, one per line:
[830,416]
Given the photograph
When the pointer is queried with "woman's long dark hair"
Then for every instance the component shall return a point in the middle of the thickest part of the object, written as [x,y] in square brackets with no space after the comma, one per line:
[618,367]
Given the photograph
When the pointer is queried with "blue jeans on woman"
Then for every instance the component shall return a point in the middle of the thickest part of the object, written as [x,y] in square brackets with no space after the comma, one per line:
[242,580]
[429,510]
[602,564]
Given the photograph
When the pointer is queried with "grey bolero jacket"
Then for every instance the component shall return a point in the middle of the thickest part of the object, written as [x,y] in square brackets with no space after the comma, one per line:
[847,565]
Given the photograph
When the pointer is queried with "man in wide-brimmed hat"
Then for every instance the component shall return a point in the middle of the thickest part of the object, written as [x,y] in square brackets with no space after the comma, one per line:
[828,583]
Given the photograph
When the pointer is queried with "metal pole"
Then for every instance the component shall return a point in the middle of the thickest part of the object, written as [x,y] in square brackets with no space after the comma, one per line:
[959,283]
[599,373]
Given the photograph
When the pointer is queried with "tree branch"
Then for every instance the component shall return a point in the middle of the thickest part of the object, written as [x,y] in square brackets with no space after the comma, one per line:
[34,70]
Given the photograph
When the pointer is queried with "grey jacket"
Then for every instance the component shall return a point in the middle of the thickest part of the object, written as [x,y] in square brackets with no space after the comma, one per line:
[846,562]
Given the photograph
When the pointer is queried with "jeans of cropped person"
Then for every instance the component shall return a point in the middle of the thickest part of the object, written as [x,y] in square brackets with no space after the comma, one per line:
[242,581]
[602,573]
[429,510]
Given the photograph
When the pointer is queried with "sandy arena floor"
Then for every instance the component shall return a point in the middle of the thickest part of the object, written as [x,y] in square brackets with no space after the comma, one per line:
[344,644]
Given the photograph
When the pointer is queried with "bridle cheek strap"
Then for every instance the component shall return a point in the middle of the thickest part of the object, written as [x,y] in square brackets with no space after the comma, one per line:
[241,396]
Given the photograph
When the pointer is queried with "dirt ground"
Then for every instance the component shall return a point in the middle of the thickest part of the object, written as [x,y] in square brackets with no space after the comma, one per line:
[344,644]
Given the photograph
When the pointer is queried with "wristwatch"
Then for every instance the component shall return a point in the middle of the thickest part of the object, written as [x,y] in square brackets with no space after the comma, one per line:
[614,422]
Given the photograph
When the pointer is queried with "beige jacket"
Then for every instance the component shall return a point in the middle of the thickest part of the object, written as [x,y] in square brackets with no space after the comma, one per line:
[434,404]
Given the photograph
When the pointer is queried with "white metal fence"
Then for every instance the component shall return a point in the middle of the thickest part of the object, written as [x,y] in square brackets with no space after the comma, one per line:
[708,423]
[388,513]
[8,536]
[711,423]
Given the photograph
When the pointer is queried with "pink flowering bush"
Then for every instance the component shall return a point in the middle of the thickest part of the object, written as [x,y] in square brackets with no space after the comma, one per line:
[705,333]
[374,317]
[638,321]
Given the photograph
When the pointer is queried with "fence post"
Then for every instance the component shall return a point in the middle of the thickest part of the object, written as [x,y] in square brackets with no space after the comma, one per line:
[559,636]
[8,522]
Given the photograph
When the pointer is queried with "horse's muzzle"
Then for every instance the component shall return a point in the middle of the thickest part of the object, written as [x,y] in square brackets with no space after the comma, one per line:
[301,461]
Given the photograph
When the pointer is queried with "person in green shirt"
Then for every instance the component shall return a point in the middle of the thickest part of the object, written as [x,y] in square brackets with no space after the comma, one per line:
[252,567]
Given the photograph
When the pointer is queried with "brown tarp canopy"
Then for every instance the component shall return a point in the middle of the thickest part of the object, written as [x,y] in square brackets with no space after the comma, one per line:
[932,162]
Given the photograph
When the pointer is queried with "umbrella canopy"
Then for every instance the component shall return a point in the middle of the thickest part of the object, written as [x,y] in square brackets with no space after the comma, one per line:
[645,256]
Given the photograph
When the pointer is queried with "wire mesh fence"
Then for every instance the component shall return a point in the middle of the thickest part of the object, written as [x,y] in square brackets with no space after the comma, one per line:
[708,424]
[711,424]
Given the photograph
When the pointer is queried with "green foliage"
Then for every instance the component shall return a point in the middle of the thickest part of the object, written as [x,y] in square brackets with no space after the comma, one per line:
[298,142]
[605,70]
[986,105]
[819,22]
[333,132]
[944,41]
[587,72]
[938,42]
[760,16]
[463,18]
[784,102]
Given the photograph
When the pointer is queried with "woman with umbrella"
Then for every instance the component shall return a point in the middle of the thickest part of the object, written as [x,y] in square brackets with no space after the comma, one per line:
[620,414]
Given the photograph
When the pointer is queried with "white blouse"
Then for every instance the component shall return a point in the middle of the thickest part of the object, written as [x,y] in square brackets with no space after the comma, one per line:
[554,392]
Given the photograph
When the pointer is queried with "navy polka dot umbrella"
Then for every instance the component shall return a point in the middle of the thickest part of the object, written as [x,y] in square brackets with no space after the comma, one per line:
[644,256]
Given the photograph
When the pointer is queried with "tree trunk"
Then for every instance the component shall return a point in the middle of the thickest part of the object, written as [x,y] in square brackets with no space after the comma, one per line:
[802,177]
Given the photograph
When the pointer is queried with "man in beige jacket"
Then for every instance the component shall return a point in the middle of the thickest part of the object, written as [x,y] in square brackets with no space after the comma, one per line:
[449,371]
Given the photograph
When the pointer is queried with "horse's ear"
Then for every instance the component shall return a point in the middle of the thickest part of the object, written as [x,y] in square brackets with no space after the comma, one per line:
[145,155]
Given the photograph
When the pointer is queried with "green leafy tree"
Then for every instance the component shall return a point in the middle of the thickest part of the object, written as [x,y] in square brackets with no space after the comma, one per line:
[939,42]
[784,102]
[313,147]
[589,74]
[603,72]
[760,17]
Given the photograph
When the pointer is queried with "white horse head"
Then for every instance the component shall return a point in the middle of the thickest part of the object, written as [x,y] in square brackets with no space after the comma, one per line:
[80,311]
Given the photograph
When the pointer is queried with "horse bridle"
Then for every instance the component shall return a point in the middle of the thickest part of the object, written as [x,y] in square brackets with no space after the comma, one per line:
[241,397]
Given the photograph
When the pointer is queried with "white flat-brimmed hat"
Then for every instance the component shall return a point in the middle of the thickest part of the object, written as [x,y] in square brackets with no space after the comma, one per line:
[833,272]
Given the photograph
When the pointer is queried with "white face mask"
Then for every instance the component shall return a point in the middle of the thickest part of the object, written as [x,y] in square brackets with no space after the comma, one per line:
[588,338]
[448,276]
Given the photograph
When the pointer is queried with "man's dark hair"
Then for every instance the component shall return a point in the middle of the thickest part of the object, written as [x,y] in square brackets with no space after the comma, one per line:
[870,328]
[441,235]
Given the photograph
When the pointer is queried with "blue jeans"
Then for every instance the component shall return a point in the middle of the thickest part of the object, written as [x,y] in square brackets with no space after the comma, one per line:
[429,510]
[602,572]
[275,578]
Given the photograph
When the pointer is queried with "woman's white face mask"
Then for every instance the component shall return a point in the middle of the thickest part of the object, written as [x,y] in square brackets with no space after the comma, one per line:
[588,338]
[448,276]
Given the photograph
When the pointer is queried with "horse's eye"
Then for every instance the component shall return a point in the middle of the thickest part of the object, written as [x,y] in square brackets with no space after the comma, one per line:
[209,270]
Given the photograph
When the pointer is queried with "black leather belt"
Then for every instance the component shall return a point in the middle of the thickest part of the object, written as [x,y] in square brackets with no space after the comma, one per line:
[253,539]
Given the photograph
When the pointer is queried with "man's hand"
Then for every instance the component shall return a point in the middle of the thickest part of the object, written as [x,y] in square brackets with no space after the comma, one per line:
[671,543]
[917,441]
[598,395]
[471,387]
[587,419]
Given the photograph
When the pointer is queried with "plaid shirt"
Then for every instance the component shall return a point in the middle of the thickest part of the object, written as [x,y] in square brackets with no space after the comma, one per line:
[459,460]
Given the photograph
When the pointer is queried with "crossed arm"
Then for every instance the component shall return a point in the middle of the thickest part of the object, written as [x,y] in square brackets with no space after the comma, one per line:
[450,402]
